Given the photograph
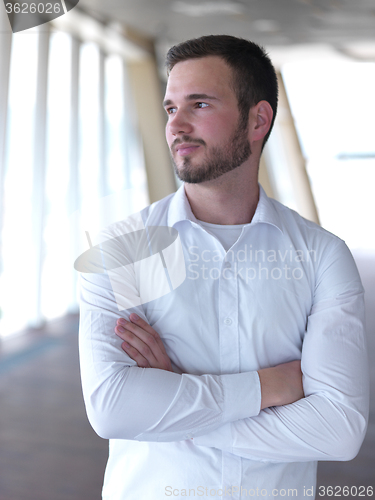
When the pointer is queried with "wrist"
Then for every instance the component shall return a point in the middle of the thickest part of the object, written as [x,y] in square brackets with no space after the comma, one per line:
[269,393]
[281,385]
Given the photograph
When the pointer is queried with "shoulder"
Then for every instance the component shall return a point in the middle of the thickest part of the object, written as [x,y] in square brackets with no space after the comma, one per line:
[157,213]
[298,227]
[154,214]
[329,255]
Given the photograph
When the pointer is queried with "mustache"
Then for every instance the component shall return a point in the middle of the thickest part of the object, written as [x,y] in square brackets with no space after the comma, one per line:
[188,140]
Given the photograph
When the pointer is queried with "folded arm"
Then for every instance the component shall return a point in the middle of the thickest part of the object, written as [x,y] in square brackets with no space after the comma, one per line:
[280,385]
[124,401]
[330,422]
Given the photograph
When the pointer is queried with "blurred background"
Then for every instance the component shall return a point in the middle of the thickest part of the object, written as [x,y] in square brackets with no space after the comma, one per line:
[82,135]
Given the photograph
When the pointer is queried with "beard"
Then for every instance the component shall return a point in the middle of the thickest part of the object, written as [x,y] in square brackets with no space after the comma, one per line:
[220,159]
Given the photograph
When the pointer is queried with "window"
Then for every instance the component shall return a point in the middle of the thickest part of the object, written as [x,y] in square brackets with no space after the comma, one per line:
[71,142]
[17,281]
[333,104]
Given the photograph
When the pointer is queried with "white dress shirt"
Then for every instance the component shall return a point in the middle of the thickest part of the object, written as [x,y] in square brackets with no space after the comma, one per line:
[285,290]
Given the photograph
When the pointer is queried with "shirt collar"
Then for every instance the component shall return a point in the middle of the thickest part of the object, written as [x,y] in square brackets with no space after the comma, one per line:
[180,208]
[265,212]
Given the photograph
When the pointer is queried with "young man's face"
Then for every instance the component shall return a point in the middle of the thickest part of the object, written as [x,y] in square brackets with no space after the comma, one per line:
[204,132]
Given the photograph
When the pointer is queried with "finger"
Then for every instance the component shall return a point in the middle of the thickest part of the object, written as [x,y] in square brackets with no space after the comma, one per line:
[140,340]
[144,331]
[135,355]
[145,326]
[146,340]
[135,319]
[134,332]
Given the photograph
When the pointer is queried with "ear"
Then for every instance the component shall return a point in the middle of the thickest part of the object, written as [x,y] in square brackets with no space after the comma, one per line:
[260,119]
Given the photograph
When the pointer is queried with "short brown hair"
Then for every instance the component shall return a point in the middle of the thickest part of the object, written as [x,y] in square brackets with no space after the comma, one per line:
[254,77]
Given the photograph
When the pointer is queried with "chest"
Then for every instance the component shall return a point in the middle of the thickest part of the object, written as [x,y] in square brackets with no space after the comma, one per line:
[235,311]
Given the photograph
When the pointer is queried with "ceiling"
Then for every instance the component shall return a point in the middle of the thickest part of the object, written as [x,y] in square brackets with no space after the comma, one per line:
[346,25]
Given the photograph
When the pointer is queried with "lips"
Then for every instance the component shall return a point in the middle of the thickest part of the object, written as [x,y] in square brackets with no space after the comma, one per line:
[186,148]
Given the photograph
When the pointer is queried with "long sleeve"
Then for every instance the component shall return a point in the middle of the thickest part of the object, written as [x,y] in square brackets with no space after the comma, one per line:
[127,402]
[286,289]
[330,422]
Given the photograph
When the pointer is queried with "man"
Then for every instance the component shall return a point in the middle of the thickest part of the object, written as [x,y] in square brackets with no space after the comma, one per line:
[200,391]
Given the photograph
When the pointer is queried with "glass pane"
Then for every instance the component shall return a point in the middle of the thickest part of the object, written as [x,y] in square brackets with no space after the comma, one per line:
[57,267]
[115,120]
[17,280]
[333,105]
[126,171]
[89,132]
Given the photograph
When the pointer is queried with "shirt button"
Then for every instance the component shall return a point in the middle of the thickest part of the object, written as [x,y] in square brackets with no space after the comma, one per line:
[228,321]
[227,265]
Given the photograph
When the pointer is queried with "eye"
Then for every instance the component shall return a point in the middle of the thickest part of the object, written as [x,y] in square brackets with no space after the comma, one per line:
[201,105]
[170,110]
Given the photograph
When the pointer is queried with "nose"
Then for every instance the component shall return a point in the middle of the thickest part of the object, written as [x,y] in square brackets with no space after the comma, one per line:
[179,124]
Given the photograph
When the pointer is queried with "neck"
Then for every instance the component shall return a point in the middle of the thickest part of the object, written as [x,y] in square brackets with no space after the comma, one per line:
[228,200]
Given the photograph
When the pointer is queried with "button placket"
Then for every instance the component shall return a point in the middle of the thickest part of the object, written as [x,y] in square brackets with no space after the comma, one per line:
[228,322]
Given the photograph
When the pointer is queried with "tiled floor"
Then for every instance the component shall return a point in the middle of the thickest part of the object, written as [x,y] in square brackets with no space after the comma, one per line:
[48,451]
[47,448]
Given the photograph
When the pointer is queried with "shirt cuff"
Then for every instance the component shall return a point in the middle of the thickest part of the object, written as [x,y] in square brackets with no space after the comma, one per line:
[242,396]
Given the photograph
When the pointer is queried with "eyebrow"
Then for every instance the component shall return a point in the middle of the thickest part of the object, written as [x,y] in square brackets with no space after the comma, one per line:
[192,97]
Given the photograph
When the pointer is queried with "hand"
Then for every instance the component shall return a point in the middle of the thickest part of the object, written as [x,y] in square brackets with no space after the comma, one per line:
[142,343]
[281,385]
